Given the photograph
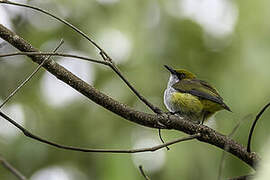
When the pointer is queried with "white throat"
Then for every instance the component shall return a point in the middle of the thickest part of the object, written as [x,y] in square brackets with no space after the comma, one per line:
[169,91]
[172,80]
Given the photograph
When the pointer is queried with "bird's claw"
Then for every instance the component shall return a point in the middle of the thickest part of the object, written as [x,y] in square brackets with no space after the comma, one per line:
[172,113]
[197,122]
[161,125]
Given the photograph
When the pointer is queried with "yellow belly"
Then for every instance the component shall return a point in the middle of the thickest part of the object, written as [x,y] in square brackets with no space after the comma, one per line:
[194,107]
[186,103]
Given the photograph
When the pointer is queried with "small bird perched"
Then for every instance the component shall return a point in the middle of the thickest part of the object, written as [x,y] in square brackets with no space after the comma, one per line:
[190,97]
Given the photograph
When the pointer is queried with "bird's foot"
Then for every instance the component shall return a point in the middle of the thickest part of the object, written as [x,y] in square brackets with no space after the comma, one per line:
[173,113]
[198,122]
[161,125]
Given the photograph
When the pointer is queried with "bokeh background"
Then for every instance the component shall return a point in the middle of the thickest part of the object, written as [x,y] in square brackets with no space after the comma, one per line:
[225,42]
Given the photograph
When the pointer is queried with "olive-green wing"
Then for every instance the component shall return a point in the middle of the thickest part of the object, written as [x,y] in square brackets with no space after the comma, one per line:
[208,86]
[200,89]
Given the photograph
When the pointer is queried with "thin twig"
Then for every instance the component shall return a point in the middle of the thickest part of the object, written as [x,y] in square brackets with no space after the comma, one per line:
[54,54]
[29,77]
[222,162]
[104,55]
[161,139]
[143,173]
[151,149]
[13,170]
[253,126]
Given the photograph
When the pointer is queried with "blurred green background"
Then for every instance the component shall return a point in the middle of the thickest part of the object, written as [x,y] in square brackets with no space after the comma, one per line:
[225,42]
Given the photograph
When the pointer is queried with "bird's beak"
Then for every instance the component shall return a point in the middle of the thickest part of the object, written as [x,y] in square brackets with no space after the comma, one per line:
[172,71]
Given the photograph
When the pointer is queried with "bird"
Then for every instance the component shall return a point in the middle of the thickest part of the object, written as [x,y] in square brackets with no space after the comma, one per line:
[190,97]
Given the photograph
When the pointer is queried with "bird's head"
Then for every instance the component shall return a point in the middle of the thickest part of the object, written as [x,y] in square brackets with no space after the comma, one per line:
[180,73]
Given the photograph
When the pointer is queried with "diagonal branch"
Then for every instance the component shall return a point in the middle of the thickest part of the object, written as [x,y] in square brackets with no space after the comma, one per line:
[143,173]
[12,169]
[151,106]
[208,135]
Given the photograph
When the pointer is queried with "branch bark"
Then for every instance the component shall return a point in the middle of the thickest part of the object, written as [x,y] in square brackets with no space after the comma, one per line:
[208,135]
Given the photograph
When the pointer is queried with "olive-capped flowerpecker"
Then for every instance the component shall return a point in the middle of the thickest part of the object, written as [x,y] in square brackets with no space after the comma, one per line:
[190,97]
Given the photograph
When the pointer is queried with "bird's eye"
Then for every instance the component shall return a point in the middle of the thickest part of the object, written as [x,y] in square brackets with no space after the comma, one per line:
[181,75]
